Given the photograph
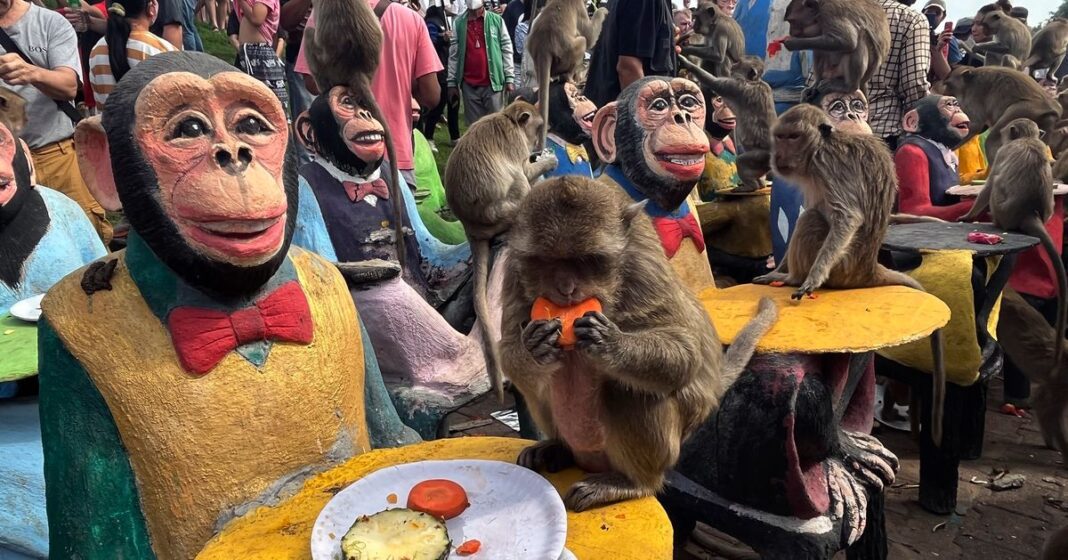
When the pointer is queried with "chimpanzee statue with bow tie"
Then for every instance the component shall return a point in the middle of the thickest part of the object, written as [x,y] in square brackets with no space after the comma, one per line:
[209,367]
[653,139]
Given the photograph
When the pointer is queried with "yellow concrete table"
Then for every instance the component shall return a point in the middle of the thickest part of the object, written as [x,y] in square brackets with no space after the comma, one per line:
[634,530]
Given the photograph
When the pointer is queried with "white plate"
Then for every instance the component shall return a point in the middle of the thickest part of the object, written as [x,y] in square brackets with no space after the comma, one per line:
[515,512]
[28,309]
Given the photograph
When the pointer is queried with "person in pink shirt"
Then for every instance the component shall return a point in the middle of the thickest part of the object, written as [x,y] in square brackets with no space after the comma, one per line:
[408,68]
[256,55]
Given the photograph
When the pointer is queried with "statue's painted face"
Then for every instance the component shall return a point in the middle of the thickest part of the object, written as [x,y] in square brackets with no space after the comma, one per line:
[848,111]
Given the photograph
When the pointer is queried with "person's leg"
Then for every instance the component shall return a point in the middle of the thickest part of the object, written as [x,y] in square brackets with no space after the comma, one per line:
[431,119]
[453,113]
[494,100]
[472,104]
[56,167]
[222,12]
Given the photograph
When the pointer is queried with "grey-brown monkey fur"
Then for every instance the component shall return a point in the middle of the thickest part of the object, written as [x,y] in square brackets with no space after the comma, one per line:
[724,42]
[1031,344]
[993,97]
[1048,47]
[1011,37]
[558,41]
[849,185]
[1019,194]
[343,49]
[653,351]
[486,177]
[12,111]
[753,103]
[852,42]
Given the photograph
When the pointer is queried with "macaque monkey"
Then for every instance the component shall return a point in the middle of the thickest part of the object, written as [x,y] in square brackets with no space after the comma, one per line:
[993,97]
[488,174]
[750,98]
[1011,36]
[1048,48]
[722,42]
[343,49]
[1031,345]
[643,372]
[558,41]
[850,39]
[1019,194]
[12,111]
[849,184]
[1007,61]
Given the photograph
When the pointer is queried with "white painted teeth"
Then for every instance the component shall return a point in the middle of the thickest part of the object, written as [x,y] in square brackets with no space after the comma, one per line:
[681,161]
[373,137]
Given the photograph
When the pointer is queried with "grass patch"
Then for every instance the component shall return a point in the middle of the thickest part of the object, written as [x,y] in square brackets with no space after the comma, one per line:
[216,43]
[441,140]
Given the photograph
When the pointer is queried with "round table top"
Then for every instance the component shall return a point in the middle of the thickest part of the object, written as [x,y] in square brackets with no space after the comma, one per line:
[850,321]
[974,189]
[18,348]
[953,236]
[632,530]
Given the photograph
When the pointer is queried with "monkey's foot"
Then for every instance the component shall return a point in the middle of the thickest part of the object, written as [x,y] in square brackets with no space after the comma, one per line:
[549,455]
[771,277]
[866,458]
[850,501]
[602,489]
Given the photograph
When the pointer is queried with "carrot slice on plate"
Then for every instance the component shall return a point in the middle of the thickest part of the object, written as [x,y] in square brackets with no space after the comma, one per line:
[468,548]
[441,498]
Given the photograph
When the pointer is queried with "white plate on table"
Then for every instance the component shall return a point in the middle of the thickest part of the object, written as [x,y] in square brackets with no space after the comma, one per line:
[28,309]
[515,512]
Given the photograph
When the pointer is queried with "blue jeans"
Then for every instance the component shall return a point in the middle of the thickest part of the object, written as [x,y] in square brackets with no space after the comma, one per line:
[190,36]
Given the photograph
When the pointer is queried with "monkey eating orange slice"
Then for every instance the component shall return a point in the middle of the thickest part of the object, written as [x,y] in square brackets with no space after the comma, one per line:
[545,310]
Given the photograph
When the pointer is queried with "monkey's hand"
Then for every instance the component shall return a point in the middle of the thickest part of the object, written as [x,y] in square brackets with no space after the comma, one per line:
[771,277]
[865,457]
[596,333]
[549,455]
[807,287]
[541,338]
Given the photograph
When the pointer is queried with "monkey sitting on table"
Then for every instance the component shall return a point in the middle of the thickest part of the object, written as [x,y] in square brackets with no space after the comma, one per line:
[653,140]
[641,373]
[570,125]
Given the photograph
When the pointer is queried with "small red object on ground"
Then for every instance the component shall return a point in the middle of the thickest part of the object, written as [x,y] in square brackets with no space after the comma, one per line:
[1010,409]
[777,284]
[468,548]
[984,238]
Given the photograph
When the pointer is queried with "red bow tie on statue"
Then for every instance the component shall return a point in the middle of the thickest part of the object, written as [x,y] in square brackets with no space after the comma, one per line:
[359,191]
[673,230]
[203,337]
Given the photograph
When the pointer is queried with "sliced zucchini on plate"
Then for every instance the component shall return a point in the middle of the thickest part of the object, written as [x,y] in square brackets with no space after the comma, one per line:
[396,533]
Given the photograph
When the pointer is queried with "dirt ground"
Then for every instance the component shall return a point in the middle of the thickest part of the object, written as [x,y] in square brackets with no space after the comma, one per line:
[1008,525]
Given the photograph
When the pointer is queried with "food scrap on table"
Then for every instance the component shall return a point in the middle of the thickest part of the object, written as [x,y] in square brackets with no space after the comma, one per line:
[391,499]
[468,548]
[397,533]
[441,498]
[984,238]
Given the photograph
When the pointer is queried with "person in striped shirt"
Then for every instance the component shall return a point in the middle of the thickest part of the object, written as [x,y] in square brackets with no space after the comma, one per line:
[126,43]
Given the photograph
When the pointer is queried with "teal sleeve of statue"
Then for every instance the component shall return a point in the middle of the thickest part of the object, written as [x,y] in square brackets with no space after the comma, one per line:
[94,512]
[383,422]
[310,232]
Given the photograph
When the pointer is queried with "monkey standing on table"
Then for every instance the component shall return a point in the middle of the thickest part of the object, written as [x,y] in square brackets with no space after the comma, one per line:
[850,39]
[849,184]
[723,42]
[1048,48]
[644,371]
[558,41]
[751,99]
[1019,193]
[993,97]
[344,49]
[486,177]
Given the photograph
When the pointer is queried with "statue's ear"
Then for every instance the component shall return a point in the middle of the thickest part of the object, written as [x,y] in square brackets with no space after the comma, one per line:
[29,161]
[94,161]
[911,121]
[305,132]
[604,132]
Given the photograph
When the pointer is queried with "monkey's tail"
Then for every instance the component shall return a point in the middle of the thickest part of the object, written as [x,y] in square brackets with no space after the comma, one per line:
[744,345]
[543,67]
[1035,228]
[480,253]
[362,87]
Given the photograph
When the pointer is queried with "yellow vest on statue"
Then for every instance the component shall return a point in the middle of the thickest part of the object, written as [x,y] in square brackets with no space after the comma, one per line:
[205,448]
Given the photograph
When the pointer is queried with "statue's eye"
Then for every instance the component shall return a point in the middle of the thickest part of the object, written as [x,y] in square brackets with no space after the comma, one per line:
[252,125]
[688,101]
[348,102]
[859,106]
[659,104]
[191,127]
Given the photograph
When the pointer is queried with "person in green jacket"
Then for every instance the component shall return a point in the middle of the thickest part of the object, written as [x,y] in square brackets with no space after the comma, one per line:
[480,62]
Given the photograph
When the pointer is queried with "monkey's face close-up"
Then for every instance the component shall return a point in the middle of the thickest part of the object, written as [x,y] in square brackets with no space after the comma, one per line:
[360,131]
[803,17]
[796,137]
[848,111]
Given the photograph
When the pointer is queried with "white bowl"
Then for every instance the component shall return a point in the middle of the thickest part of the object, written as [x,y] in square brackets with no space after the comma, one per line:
[28,309]
[515,513]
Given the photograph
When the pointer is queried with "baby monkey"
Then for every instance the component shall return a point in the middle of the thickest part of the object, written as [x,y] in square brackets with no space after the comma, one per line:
[1019,193]
[643,372]
[849,185]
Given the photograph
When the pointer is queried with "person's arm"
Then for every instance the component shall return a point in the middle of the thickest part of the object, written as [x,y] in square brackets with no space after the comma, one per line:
[915,62]
[630,70]
[914,194]
[508,61]
[60,84]
[172,32]
[256,13]
[452,80]
[939,65]
[292,14]
[97,23]
[425,68]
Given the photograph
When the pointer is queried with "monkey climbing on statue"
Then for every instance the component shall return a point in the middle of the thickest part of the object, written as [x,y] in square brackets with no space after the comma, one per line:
[560,36]
[850,39]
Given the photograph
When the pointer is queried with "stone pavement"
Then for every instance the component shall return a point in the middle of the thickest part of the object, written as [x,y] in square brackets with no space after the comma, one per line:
[1008,525]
